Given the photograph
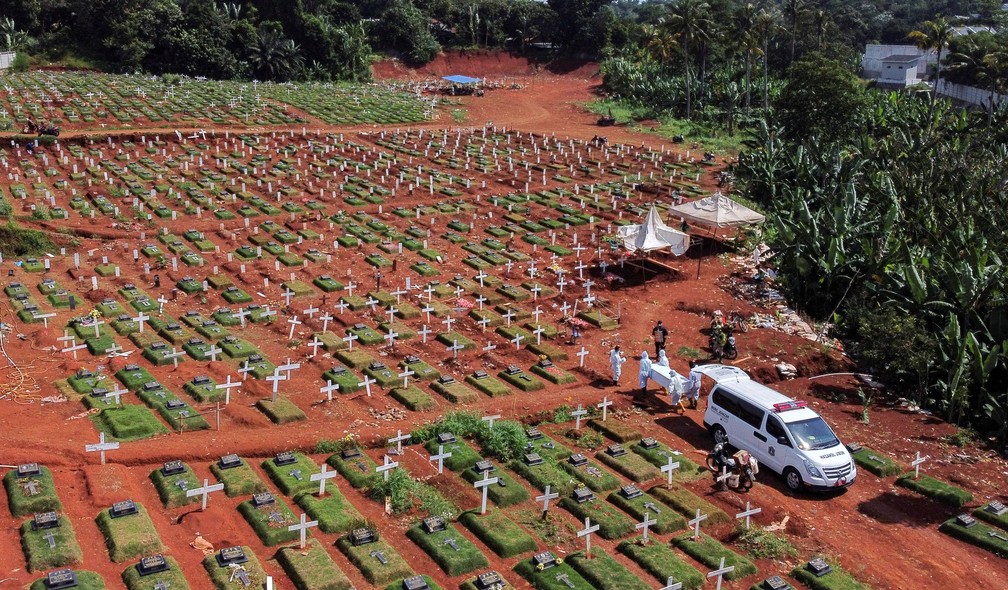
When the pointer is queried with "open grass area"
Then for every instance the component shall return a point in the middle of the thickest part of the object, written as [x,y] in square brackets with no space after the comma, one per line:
[838,579]
[40,556]
[631,465]
[334,513]
[936,489]
[270,522]
[709,552]
[876,462]
[662,562]
[668,519]
[171,492]
[613,524]
[312,569]
[454,553]
[31,494]
[131,536]
[979,535]
[686,503]
[238,481]
[221,576]
[604,572]
[292,479]
[173,577]
[366,560]
[1000,521]
[501,534]
[85,581]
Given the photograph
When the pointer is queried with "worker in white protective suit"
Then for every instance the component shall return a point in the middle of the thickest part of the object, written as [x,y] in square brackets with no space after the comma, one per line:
[645,371]
[662,359]
[616,360]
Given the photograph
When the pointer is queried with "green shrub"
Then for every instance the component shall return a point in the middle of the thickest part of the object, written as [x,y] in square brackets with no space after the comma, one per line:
[19,241]
[498,532]
[935,489]
[40,556]
[454,562]
[399,488]
[312,568]
[659,560]
[604,572]
[131,536]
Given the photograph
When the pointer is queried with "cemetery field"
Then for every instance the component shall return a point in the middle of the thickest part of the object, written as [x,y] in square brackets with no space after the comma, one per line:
[275,270]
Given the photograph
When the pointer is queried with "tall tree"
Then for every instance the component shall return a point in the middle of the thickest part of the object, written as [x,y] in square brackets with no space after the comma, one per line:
[793,10]
[689,19]
[933,35]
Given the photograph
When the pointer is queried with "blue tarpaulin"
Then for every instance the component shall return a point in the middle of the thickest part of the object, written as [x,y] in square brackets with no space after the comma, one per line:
[457,79]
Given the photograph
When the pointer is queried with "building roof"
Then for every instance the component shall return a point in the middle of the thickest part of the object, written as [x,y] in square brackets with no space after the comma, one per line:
[901,58]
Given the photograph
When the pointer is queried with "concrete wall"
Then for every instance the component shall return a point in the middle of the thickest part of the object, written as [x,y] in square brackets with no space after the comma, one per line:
[6,59]
[968,94]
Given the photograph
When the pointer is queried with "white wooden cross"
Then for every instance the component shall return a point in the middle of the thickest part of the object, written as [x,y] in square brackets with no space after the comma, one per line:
[287,295]
[565,308]
[517,340]
[424,332]
[587,533]
[545,499]
[669,468]
[484,484]
[101,446]
[671,584]
[303,527]
[328,389]
[342,306]
[427,309]
[66,337]
[748,513]
[508,315]
[174,355]
[536,289]
[294,322]
[97,324]
[74,347]
[405,376]
[448,321]
[489,346]
[275,379]
[350,289]
[430,292]
[581,355]
[241,314]
[916,463]
[116,393]
[366,384]
[695,523]
[580,266]
[386,467]
[372,303]
[391,337]
[604,404]
[479,277]
[161,301]
[322,477]
[645,524]
[398,440]
[588,285]
[562,282]
[113,350]
[579,249]
[268,313]
[310,311]
[588,299]
[480,299]
[326,318]
[537,312]
[140,319]
[205,490]
[720,572]
[577,416]
[454,348]
[440,457]
[245,370]
[538,333]
[391,311]
[212,352]
[349,338]
[491,419]
[398,294]
[227,387]
[315,344]
[484,322]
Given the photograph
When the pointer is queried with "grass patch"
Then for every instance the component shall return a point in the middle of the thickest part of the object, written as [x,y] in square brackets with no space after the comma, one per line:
[85,581]
[129,422]
[285,481]
[470,584]
[998,521]
[668,520]
[333,512]
[270,522]
[414,398]
[238,481]
[312,569]
[547,579]
[545,474]
[659,560]
[171,493]
[605,573]
[455,392]
[173,577]
[18,493]
[601,483]
[454,562]
[838,579]
[763,544]
[131,536]
[978,534]
[686,503]
[615,430]
[554,374]
[509,494]
[463,456]
[397,585]
[222,575]
[612,523]
[709,552]
[633,466]
[522,381]
[489,385]
[359,471]
[374,572]
[40,556]
[876,462]
[283,411]
[935,489]
[659,456]
[501,534]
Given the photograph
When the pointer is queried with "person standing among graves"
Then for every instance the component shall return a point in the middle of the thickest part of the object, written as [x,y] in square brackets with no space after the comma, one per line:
[616,360]
[645,371]
[693,389]
[660,335]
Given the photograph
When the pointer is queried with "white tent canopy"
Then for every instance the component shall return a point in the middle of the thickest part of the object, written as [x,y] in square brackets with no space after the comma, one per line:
[717,211]
[653,234]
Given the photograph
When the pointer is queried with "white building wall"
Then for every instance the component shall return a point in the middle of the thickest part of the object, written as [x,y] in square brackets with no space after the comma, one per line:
[6,59]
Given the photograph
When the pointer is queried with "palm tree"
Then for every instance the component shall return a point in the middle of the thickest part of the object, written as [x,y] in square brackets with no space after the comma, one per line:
[661,44]
[765,24]
[273,56]
[793,9]
[934,35]
[691,21]
[822,20]
[745,19]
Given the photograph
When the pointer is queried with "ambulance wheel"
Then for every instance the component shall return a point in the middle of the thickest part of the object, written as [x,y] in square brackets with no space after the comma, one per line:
[718,434]
[793,479]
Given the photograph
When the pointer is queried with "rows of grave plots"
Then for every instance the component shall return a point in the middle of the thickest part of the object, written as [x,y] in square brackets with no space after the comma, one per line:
[238,176]
[90,100]
[640,523]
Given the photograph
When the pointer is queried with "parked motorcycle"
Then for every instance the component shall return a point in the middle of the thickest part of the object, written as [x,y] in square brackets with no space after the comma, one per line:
[736,472]
[722,343]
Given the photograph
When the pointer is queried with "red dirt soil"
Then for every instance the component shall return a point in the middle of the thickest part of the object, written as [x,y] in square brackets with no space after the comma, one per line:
[883,534]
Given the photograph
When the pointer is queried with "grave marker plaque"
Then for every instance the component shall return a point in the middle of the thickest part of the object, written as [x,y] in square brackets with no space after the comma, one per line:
[545,560]
[64,578]
[446,438]
[533,459]
[231,555]
[28,470]
[172,468]
[631,491]
[175,404]
[263,499]
[284,458]
[649,443]
[533,433]
[45,520]
[433,524]
[415,583]
[350,453]
[966,521]
[775,583]
[996,508]
[480,375]
[152,564]
[818,567]
[446,379]
[583,494]
[577,459]
[483,466]
[362,536]
[123,508]
[490,580]
[615,450]
[229,461]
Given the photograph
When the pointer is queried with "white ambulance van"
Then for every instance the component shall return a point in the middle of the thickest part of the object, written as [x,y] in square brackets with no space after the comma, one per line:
[784,435]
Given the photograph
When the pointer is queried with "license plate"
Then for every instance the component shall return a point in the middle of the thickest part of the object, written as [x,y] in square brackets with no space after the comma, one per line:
[841,482]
